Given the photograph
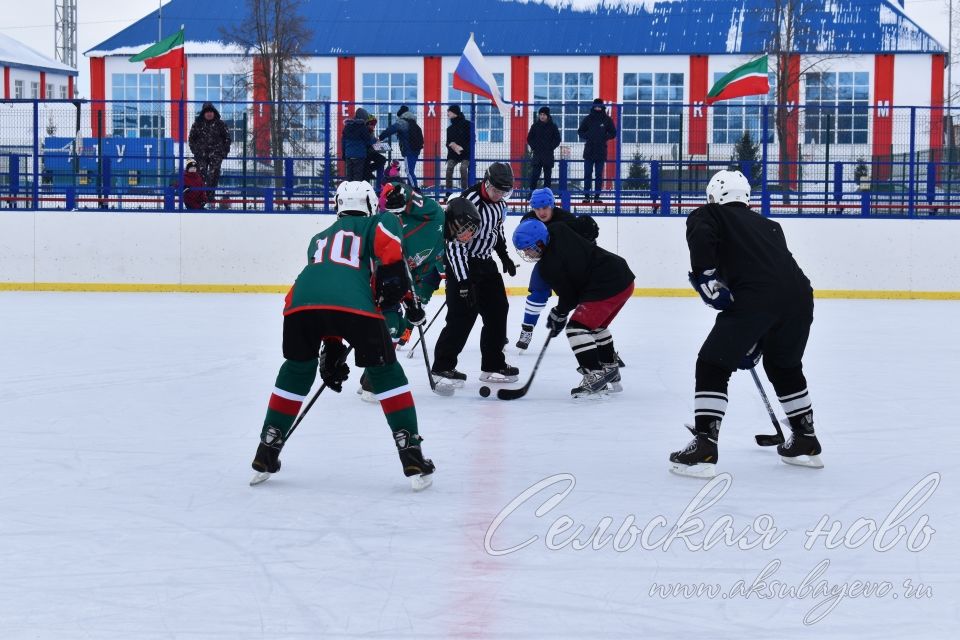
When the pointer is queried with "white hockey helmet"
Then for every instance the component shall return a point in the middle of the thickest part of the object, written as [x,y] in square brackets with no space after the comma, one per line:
[356,198]
[728,186]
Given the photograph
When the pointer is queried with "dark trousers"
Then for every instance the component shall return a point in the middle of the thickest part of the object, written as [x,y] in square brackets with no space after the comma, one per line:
[536,166]
[209,168]
[355,169]
[492,307]
[589,167]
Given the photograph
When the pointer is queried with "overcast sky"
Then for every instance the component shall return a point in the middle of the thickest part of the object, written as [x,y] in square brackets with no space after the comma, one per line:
[31,22]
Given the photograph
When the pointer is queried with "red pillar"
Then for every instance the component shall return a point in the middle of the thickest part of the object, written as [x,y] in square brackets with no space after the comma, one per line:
[882,115]
[346,95]
[608,93]
[699,85]
[43,85]
[261,109]
[6,83]
[69,87]
[98,93]
[788,172]
[432,118]
[178,92]
[937,61]
[520,116]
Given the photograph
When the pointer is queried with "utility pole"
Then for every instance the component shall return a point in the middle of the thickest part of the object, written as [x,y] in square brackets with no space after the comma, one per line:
[65,32]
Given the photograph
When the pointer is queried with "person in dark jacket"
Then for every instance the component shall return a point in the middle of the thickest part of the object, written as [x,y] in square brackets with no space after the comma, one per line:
[595,130]
[210,144]
[194,194]
[376,161]
[591,282]
[410,137]
[459,141]
[356,143]
[543,139]
[741,266]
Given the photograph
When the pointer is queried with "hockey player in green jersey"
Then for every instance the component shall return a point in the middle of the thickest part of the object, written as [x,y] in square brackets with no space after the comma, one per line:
[354,269]
[422,219]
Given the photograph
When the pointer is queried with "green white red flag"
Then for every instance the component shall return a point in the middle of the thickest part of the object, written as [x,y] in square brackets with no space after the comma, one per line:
[166,54]
[746,80]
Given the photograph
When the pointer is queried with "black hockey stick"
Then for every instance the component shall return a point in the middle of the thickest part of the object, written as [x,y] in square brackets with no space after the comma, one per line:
[313,399]
[513,394]
[764,439]
[423,331]
[443,390]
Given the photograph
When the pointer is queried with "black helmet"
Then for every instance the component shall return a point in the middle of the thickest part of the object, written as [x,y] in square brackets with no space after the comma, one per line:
[394,197]
[462,216]
[500,175]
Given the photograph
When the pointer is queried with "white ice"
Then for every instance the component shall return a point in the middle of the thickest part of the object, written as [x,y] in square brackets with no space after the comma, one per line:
[129,422]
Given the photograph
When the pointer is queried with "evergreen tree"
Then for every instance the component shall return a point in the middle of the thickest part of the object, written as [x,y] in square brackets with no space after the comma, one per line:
[747,151]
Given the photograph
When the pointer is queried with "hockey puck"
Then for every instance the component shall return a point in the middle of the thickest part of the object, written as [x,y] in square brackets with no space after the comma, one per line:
[485,392]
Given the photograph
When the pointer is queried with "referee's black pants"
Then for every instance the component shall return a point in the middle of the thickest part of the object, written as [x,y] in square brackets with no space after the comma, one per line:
[492,307]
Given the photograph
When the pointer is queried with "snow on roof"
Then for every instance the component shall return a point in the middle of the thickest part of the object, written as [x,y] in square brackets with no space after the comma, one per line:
[14,53]
[547,27]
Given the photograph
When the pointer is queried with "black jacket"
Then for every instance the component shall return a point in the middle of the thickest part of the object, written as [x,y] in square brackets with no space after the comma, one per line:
[584,225]
[580,271]
[459,131]
[543,138]
[595,130]
[209,138]
[750,253]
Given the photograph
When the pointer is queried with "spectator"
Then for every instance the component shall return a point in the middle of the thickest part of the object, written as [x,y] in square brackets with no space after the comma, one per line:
[595,130]
[194,194]
[356,141]
[376,161]
[543,139]
[209,144]
[410,136]
[459,137]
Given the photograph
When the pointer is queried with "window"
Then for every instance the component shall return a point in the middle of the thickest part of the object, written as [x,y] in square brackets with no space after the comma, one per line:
[35,90]
[383,93]
[225,91]
[138,110]
[307,123]
[18,89]
[837,107]
[561,92]
[50,94]
[652,108]
[487,121]
[63,92]
[731,118]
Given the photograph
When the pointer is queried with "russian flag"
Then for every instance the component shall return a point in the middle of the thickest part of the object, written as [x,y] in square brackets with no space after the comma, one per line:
[472,75]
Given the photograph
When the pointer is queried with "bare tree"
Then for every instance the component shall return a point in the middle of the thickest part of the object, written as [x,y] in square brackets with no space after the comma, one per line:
[274,33]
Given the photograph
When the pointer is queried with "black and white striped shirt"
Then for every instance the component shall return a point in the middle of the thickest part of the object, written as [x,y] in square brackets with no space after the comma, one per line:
[488,236]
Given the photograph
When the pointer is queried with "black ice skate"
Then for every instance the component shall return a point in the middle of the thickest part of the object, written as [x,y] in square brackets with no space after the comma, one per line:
[415,466]
[699,458]
[451,377]
[802,448]
[526,335]
[504,375]
[614,385]
[267,459]
[594,383]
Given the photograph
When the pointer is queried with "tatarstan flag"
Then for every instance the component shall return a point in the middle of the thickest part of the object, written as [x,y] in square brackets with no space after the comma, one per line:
[746,80]
[166,54]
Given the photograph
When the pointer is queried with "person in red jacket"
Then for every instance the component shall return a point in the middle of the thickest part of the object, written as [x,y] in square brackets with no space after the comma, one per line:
[194,195]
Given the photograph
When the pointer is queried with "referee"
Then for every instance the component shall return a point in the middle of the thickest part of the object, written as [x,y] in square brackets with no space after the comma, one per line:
[475,286]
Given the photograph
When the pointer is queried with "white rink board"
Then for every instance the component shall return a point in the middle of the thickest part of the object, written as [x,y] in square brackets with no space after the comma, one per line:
[844,254]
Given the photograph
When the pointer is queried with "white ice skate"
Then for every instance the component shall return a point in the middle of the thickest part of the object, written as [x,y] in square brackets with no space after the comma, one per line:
[419,483]
[259,478]
[811,462]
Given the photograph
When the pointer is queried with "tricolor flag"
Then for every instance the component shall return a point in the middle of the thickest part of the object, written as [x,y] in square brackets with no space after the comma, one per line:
[472,75]
[166,54]
[746,80]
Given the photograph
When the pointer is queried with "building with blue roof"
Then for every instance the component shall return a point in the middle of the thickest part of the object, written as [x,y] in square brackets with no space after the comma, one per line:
[28,74]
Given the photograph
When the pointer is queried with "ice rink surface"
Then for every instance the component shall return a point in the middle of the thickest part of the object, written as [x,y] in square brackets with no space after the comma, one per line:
[130,420]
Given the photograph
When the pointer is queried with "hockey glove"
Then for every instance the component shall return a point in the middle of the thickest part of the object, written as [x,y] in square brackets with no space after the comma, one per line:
[588,228]
[714,291]
[392,283]
[415,314]
[466,293]
[752,358]
[556,321]
[508,265]
[333,371]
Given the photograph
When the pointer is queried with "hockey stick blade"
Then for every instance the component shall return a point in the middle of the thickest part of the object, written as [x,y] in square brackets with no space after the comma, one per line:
[768,440]
[514,394]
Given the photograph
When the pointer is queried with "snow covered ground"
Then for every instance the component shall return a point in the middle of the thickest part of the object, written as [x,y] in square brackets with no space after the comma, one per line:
[129,422]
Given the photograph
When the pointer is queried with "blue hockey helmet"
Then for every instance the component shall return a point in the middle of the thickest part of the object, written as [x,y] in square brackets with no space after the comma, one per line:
[542,198]
[530,239]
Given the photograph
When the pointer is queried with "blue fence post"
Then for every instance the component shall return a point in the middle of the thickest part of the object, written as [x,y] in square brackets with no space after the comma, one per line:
[564,184]
[764,190]
[169,200]
[838,181]
[864,203]
[618,181]
[472,171]
[36,154]
[181,130]
[14,179]
[931,182]
[326,158]
[912,191]
[71,195]
[665,204]
[654,179]
[288,180]
[268,199]
[107,182]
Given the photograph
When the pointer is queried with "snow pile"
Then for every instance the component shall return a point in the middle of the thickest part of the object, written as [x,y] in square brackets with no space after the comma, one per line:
[15,53]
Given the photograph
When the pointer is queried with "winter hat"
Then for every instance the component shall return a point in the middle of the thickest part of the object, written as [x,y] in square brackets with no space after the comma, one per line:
[402,110]
[455,110]
[545,110]
[597,102]
[362,114]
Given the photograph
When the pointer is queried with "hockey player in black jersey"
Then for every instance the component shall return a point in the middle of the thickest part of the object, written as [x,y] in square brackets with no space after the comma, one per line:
[743,268]
[591,282]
